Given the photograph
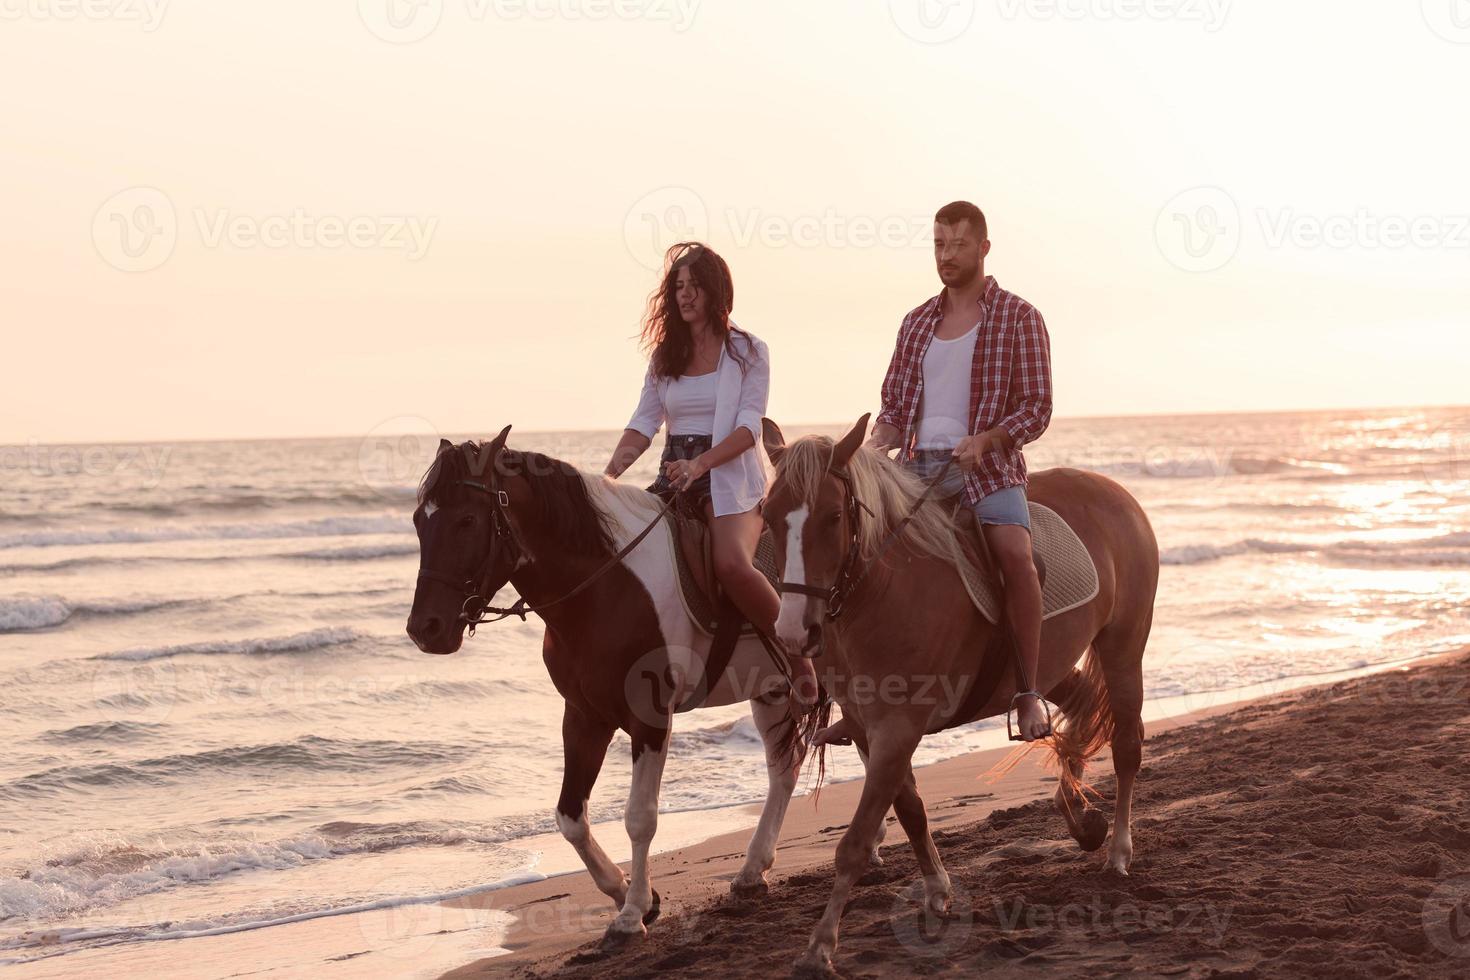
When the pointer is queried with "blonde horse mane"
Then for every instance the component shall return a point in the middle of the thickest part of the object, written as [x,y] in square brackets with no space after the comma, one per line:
[888,490]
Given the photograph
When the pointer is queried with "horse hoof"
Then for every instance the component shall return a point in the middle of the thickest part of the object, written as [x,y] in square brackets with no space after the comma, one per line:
[614,941]
[749,893]
[653,910]
[1094,829]
[808,968]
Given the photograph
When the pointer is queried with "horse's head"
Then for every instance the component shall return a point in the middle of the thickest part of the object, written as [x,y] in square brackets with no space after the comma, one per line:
[810,512]
[464,546]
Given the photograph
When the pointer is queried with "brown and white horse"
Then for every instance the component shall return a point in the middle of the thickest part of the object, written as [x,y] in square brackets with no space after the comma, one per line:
[621,651]
[909,627]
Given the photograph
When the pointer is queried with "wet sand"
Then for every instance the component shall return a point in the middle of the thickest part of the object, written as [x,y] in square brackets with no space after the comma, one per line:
[1317,833]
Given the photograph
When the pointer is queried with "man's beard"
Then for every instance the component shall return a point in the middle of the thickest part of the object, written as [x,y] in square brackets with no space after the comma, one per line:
[959,278]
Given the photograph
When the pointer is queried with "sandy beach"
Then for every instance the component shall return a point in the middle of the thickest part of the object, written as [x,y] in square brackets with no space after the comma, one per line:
[1308,834]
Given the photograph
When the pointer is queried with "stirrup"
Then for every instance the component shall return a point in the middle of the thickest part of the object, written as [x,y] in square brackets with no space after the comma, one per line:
[1014,734]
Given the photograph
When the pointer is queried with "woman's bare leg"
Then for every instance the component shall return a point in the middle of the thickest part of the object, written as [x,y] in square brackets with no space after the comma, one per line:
[735,539]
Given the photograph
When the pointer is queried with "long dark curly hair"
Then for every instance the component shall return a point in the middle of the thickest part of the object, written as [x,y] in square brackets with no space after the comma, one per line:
[665,334]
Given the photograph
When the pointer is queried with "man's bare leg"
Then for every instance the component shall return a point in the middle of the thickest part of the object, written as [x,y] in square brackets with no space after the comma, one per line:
[1011,546]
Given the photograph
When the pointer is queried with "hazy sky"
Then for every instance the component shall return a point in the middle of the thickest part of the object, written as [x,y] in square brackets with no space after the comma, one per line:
[316,218]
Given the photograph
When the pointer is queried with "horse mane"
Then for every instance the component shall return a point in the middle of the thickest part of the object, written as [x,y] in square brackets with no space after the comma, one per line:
[560,494]
[640,501]
[888,490]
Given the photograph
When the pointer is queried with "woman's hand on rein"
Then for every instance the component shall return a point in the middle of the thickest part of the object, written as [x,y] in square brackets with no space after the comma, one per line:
[683,472]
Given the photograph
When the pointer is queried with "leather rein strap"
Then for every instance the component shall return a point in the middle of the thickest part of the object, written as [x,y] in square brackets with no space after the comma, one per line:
[475,608]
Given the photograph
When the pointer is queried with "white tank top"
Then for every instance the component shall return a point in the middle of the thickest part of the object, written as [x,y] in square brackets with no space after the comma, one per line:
[944,414]
[689,403]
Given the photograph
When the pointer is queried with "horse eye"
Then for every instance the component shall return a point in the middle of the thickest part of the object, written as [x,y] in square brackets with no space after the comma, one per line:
[467,520]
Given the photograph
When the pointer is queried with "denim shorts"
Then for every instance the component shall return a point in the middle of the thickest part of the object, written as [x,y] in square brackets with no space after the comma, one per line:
[684,447]
[1004,506]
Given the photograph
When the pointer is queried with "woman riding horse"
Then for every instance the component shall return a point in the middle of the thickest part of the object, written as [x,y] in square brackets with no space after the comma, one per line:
[709,380]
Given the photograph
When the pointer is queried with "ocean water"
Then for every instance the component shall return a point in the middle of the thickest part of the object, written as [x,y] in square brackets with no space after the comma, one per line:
[214,720]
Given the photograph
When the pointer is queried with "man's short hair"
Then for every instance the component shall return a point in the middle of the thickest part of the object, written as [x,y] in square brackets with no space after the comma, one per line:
[954,213]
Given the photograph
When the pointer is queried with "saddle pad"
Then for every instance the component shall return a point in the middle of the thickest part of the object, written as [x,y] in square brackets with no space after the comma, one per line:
[1071,577]
[700,607]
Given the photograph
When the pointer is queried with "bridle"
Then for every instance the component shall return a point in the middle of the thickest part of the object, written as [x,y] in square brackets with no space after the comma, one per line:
[475,608]
[835,595]
[849,574]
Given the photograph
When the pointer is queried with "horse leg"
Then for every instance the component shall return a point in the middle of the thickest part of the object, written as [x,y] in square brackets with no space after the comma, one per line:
[875,859]
[650,750]
[890,751]
[771,719]
[1122,663]
[584,746]
[915,820]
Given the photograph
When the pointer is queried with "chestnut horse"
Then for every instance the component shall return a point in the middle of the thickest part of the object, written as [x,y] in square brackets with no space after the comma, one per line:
[619,646]
[907,628]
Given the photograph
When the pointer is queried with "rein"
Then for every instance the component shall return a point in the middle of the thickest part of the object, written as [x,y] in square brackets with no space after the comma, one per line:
[849,577]
[474,609]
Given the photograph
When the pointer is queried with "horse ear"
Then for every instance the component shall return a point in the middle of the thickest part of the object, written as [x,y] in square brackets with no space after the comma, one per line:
[850,443]
[443,445]
[498,443]
[775,442]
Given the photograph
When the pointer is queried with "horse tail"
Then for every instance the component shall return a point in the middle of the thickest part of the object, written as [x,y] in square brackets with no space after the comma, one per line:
[1087,723]
[796,740]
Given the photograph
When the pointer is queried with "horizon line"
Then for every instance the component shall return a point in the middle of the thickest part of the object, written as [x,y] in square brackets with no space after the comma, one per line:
[803,425]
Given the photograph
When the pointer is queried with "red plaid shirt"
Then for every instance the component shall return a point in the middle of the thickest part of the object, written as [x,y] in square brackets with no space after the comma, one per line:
[1010,383]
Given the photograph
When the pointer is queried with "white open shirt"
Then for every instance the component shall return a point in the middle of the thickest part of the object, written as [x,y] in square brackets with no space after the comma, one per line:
[740,402]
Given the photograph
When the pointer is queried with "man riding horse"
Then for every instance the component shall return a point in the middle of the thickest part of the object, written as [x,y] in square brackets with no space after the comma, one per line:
[968,385]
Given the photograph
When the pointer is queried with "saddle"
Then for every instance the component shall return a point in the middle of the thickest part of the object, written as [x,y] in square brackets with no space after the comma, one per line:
[698,587]
[1063,564]
[1068,576]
